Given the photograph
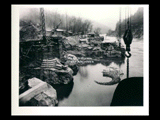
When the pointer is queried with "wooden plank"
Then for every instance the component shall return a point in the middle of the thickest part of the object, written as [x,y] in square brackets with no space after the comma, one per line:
[26,96]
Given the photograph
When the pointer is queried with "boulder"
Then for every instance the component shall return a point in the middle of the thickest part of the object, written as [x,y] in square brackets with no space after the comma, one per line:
[70,59]
[113,73]
[33,82]
[55,76]
[74,68]
[39,94]
[53,72]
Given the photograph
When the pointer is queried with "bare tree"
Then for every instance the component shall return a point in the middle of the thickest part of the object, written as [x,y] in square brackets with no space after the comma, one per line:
[97,31]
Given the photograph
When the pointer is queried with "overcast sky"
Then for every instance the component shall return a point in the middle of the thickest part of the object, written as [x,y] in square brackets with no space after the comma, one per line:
[104,14]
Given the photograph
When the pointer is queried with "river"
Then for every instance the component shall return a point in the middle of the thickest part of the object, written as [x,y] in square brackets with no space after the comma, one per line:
[85,92]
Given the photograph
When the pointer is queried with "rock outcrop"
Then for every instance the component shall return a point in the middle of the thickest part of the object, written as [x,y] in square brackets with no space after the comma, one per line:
[71,61]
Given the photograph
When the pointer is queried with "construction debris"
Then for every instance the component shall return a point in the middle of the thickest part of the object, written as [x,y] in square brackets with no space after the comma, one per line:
[113,73]
[39,94]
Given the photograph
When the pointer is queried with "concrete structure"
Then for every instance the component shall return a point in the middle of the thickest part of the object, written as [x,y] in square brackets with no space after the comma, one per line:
[39,94]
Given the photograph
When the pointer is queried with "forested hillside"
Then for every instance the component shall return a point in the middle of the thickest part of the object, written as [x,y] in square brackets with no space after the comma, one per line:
[52,19]
[136,25]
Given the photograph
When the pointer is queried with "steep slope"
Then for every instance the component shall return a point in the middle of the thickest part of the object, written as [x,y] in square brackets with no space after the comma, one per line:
[136,24]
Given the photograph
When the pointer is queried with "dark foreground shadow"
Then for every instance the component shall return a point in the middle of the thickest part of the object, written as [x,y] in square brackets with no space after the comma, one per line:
[129,92]
[63,90]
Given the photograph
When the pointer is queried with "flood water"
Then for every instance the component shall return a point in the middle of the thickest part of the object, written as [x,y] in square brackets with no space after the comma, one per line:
[85,92]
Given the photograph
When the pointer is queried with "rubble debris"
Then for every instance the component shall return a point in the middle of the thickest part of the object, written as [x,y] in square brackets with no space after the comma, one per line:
[113,73]
[53,72]
[39,94]
[55,76]
[71,61]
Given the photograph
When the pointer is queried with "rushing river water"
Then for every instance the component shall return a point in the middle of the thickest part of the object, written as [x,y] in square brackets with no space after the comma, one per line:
[85,92]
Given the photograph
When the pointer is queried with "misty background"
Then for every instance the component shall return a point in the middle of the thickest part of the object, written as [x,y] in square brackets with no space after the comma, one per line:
[78,18]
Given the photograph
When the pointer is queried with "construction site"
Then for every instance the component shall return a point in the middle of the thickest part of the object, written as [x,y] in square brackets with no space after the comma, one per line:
[50,58]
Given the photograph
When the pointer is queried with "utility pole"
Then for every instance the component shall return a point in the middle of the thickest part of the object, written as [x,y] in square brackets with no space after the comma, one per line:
[43,25]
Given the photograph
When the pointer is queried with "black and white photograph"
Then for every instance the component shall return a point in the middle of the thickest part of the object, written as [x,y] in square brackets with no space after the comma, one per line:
[80,59]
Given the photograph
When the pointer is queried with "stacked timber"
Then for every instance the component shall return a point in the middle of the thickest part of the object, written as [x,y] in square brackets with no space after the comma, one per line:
[53,72]
[46,63]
